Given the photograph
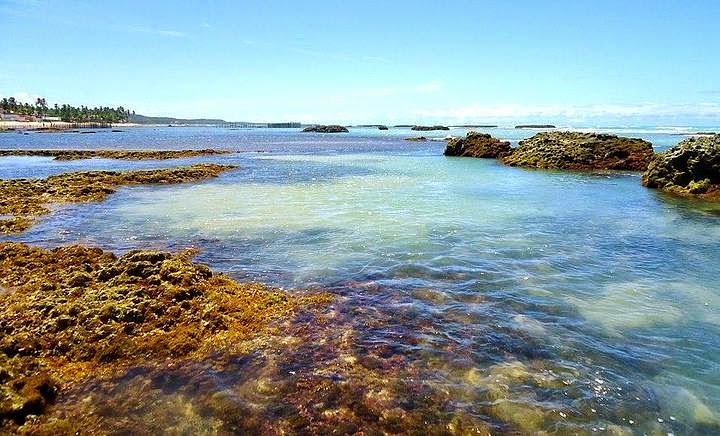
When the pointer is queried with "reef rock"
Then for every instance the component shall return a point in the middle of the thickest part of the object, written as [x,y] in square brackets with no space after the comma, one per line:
[429,128]
[382,128]
[476,144]
[114,154]
[417,139]
[535,126]
[77,313]
[691,168]
[326,129]
[581,151]
[21,200]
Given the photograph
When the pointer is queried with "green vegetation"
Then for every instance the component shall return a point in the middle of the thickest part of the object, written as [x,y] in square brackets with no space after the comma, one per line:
[65,112]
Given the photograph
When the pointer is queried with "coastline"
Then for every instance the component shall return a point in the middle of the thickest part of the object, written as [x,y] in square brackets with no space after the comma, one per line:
[58,125]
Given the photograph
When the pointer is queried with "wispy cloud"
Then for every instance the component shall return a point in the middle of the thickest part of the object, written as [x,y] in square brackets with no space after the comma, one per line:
[161,32]
[23,97]
[509,111]
[20,7]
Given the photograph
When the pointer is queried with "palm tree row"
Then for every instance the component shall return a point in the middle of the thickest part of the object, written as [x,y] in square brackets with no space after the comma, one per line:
[64,112]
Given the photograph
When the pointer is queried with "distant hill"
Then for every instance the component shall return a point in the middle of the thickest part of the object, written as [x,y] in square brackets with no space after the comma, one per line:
[142,119]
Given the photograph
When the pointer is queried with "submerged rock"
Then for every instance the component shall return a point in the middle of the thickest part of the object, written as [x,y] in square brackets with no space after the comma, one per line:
[691,168]
[114,154]
[581,151]
[78,313]
[25,199]
[429,128]
[476,144]
[326,129]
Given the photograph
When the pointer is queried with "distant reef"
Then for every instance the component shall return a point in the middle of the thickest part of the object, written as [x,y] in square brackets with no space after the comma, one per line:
[326,129]
[581,151]
[535,126]
[476,144]
[382,128]
[691,168]
[429,128]
[476,126]
[417,138]
[114,154]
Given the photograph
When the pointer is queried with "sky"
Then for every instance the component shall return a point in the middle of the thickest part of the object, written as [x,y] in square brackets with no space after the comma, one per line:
[580,62]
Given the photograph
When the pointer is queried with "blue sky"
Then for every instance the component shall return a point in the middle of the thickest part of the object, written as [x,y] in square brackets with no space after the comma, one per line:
[578,62]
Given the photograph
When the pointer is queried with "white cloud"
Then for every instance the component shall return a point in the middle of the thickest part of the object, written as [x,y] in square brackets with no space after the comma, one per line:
[23,97]
[161,32]
[499,111]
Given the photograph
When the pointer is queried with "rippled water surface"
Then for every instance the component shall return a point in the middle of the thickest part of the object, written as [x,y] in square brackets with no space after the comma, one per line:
[525,299]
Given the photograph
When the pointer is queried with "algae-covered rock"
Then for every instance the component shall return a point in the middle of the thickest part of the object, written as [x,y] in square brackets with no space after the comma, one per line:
[476,144]
[75,312]
[326,129]
[691,168]
[417,139]
[24,199]
[581,151]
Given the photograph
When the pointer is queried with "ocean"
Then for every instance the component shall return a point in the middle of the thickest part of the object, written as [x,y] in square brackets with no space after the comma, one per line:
[467,291]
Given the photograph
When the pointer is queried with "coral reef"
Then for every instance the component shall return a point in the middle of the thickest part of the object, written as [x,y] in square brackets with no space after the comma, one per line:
[25,199]
[114,154]
[581,151]
[691,168]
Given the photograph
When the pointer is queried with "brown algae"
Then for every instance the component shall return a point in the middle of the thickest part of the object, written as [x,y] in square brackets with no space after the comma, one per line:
[22,200]
[75,313]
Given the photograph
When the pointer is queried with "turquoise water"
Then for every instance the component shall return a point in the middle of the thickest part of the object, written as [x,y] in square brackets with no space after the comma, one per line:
[571,302]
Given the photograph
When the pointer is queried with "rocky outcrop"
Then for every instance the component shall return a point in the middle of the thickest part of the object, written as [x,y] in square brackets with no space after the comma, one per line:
[476,144]
[326,129]
[691,168]
[416,139]
[429,128]
[22,200]
[382,128]
[581,151]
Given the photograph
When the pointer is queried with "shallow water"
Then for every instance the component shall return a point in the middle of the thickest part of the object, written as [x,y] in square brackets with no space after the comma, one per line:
[527,299]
